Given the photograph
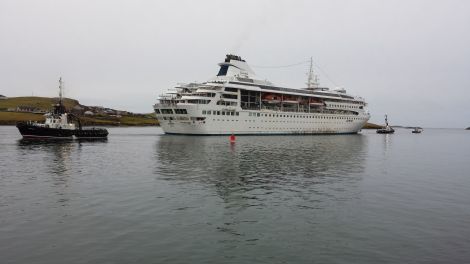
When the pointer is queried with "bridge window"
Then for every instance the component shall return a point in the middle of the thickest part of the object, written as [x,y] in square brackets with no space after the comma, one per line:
[223,70]
[229,96]
[232,90]
[181,111]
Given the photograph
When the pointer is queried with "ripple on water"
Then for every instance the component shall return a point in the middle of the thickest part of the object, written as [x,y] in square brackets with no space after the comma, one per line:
[145,197]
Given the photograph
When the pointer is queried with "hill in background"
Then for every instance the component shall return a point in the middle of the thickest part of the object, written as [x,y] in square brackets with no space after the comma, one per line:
[44,103]
[14,109]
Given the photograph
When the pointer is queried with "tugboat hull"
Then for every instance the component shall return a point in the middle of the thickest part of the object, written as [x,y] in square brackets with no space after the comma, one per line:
[92,133]
[385,131]
[32,131]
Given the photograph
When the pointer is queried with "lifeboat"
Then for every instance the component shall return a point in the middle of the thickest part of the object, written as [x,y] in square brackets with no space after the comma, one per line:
[314,102]
[271,98]
[290,99]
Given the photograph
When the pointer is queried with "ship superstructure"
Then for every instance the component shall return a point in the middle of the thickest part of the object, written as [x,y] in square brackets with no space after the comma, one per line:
[236,101]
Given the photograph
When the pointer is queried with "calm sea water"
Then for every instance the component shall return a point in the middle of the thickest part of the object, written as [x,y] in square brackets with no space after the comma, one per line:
[144,197]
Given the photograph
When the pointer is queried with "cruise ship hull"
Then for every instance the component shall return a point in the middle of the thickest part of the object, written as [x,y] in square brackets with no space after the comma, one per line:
[268,123]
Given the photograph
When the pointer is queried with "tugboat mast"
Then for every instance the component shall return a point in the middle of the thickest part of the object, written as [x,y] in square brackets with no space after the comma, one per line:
[60,90]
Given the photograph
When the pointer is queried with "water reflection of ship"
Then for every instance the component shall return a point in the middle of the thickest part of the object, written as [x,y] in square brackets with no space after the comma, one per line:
[261,163]
[387,142]
[58,164]
[57,152]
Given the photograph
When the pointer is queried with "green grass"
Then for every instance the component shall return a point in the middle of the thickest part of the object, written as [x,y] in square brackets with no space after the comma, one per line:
[44,103]
[11,118]
[114,121]
[138,121]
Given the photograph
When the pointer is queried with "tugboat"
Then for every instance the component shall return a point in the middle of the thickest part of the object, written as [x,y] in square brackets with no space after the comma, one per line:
[417,130]
[59,124]
[387,129]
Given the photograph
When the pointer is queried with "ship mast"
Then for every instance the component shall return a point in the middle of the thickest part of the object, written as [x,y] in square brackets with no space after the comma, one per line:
[312,80]
[61,87]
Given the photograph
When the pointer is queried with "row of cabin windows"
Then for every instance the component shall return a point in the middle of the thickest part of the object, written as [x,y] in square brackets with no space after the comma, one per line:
[302,130]
[209,112]
[229,96]
[198,101]
[351,106]
[170,111]
[229,113]
[181,111]
[303,116]
[205,94]
[299,122]
[184,118]
[226,103]
[232,90]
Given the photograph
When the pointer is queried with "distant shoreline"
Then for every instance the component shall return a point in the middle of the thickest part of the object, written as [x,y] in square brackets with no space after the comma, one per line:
[371,126]
[23,109]
[11,118]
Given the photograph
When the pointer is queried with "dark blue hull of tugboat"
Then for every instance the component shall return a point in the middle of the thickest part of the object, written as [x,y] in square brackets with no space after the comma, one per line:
[32,131]
[91,133]
[384,131]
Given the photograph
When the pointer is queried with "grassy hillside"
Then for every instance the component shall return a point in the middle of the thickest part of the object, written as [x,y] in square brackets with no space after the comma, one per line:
[115,121]
[44,103]
[11,118]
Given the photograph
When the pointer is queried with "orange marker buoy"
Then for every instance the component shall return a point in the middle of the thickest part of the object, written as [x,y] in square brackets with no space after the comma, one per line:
[232,138]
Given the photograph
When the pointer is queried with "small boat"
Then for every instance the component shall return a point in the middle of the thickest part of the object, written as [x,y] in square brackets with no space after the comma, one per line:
[417,130]
[59,124]
[387,129]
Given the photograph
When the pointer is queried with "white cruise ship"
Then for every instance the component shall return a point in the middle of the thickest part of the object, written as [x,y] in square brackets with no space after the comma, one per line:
[236,101]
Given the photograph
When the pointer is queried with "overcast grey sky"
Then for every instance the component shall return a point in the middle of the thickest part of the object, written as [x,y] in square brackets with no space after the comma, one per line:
[410,59]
